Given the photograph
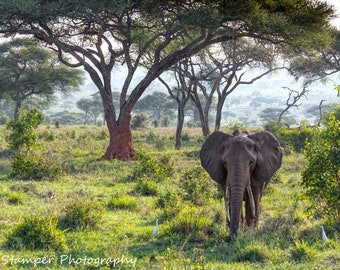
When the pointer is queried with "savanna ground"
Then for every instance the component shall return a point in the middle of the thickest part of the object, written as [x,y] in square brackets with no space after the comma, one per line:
[104,210]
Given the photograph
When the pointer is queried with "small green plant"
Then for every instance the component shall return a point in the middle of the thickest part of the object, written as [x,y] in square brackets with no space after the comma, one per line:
[82,215]
[146,187]
[302,251]
[123,202]
[193,220]
[254,252]
[37,232]
[321,178]
[154,166]
[175,260]
[34,166]
[15,198]
[197,185]
[170,201]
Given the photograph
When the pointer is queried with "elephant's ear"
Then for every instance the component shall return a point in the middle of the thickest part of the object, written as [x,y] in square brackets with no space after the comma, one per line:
[211,156]
[268,158]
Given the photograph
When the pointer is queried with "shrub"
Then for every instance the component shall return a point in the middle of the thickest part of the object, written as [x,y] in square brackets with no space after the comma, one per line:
[33,166]
[27,161]
[170,202]
[139,120]
[197,185]
[301,252]
[255,252]
[82,215]
[273,126]
[294,138]
[123,202]
[15,198]
[321,178]
[146,187]
[194,220]
[290,139]
[37,232]
[155,167]
[169,199]
[22,137]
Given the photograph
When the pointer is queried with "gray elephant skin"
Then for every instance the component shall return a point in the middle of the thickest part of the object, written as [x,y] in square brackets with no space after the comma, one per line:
[243,165]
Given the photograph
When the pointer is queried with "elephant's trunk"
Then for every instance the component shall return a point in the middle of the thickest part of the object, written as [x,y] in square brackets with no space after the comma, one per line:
[236,198]
[238,183]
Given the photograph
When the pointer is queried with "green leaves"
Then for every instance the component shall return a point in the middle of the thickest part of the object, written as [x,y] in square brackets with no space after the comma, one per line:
[22,136]
[321,179]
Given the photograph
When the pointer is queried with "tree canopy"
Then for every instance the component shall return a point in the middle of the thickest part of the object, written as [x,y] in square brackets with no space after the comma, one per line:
[101,34]
[27,70]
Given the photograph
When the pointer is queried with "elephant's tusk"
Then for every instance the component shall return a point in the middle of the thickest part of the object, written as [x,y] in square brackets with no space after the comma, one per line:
[227,202]
[251,200]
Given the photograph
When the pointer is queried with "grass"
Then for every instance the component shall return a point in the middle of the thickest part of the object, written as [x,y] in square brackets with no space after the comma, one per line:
[105,211]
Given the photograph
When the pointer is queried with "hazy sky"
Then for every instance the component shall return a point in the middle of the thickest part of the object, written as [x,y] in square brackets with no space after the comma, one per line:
[336,4]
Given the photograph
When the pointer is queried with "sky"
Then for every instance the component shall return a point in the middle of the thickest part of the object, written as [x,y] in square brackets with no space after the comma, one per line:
[336,4]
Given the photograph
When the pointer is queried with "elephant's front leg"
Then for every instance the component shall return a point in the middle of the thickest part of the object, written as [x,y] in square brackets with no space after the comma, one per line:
[257,192]
[250,207]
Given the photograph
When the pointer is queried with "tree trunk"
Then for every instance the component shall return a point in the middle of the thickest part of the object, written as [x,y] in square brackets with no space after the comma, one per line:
[218,115]
[196,100]
[219,108]
[17,108]
[180,118]
[120,146]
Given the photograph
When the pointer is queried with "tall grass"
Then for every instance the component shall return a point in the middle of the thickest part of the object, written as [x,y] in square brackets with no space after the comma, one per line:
[108,209]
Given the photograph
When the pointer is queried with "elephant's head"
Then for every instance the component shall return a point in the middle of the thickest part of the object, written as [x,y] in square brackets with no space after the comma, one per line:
[241,162]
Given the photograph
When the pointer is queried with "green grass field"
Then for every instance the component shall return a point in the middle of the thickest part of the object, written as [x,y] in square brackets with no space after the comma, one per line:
[100,214]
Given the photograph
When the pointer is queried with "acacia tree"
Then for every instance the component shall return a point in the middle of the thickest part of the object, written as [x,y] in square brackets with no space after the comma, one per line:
[156,105]
[100,34]
[91,107]
[293,97]
[180,93]
[220,70]
[318,64]
[27,70]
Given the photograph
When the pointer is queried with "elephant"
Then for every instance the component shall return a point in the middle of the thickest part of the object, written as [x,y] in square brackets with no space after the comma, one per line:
[243,165]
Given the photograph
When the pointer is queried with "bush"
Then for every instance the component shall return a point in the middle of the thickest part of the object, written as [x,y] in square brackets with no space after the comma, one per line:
[82,215]
[255,252]
[321,178]
[37,232]
[302,252]
[290,139]
[139,120]
[197,185]
[170,202]
[123,202]
[191,219]
[155,167]
[27,161]
[146,187]
[33,166]
[294,138]
[15,198]
[22,137]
